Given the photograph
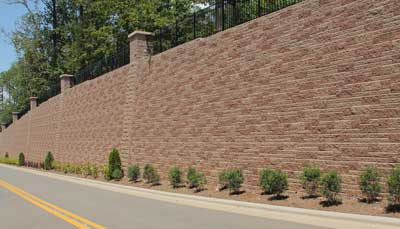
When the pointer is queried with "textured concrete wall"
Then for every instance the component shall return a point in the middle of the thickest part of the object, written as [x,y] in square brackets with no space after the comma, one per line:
[316,83]
[82,124]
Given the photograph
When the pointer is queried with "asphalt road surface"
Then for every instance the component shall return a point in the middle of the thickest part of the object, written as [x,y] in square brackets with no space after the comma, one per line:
[33,201]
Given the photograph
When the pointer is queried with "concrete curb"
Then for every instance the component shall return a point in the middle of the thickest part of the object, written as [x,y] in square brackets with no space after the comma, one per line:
[307,216]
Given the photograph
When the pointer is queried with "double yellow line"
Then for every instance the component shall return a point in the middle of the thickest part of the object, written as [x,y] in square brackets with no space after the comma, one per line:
[65,215]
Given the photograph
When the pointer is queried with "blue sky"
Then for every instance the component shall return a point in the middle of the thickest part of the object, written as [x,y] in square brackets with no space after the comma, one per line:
[9,14]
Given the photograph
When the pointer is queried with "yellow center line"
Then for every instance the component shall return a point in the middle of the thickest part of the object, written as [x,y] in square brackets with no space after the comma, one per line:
[51,208]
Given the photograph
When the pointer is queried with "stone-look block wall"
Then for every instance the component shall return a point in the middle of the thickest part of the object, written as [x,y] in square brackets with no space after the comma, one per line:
[315,83]
[82,124]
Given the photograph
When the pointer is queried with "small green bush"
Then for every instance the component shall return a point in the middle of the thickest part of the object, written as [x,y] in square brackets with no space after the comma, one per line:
[114,162]
[195,179]
[369,183]
[133,173]
[48,161]
[94,171]
[150,174]
[331,186]
[21,159]
[393,183]
[310,179]
[175,176]
[6,155]
[86,169]
[106,172]
[231,179]
[117,174]
[273,181]
[223,180]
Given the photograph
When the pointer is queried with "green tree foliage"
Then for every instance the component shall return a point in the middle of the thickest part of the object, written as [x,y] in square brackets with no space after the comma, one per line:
[393,183]
[114,163]
[48,161]
[231,179]
[175,176]
[310,179]
[369,183]
[331,187]
[21,159]
[133,172]
[150,174]
[195,179]
[273,181]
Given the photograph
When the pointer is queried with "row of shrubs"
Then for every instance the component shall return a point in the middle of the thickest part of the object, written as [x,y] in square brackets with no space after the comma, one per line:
[275,182]
[13,161]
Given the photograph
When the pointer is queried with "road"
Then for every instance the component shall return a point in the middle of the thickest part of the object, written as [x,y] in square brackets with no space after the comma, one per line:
[106,209]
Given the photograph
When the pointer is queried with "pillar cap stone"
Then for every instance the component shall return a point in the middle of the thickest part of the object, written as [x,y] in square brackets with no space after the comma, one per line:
[139,33]
[33,98]
[15,113]
[66,76]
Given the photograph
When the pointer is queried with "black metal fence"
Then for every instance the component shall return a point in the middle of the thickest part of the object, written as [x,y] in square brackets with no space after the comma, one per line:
[106,64]
[53,90]
[220,16]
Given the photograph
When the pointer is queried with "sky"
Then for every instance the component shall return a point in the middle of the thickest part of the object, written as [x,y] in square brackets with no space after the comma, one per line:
[9,14]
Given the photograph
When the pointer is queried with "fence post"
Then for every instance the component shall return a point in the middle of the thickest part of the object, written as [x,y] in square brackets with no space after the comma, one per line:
[176,33]
[15,116]
[223,15]
[140,45]
[194,25]
[33,102]
[219,15]
[66,82]
[160,40]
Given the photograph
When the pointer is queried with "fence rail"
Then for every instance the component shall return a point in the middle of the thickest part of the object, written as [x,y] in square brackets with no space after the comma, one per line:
[106,64]
[53,90]
[220,16]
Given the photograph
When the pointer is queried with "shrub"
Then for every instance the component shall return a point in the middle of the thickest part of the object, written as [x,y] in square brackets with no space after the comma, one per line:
[231,179]
[223,178]
[117,174]
[175,176]
[310,179]
[133,173]
[48,161]
[114,162]
[195,179]
[393,183]
[6,155]
[57,166]
[150,174]
[369,183]
[10,161]
[21,159]
[331,186]
[106,173]
[273,181]
[94,171]
[86,169]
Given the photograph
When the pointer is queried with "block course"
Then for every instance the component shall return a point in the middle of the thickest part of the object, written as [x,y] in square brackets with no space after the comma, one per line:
[315,83]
